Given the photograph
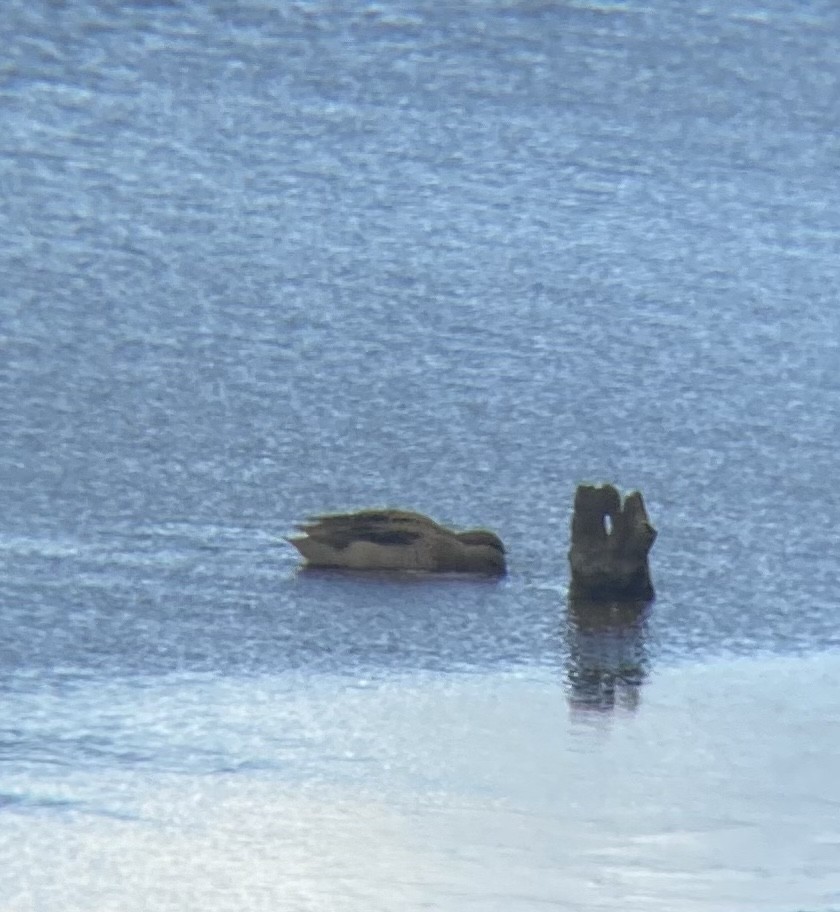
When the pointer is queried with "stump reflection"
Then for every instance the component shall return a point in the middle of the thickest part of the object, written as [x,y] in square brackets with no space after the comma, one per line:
[608,660]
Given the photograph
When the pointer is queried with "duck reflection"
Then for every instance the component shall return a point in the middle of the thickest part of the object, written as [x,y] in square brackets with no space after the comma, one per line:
[608,660]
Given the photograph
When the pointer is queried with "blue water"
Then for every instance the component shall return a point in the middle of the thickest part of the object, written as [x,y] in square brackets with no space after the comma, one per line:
[263,259]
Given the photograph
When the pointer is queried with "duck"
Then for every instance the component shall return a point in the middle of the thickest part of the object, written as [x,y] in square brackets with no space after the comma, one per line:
[400,540]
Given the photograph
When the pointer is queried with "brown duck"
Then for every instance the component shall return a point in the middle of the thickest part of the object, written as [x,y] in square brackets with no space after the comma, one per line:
[397,540]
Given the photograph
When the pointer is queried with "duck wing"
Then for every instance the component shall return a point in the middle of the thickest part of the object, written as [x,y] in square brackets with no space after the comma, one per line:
[382,527]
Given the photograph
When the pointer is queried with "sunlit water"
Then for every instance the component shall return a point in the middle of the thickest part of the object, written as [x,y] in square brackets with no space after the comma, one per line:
[261,260]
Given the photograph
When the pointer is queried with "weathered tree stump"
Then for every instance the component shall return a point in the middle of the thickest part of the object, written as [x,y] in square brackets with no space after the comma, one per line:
[610,545]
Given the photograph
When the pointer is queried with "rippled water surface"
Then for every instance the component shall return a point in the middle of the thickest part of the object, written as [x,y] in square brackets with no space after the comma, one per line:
[261,260]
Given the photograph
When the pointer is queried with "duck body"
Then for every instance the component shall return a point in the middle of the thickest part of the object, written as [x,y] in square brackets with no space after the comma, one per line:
[397,540]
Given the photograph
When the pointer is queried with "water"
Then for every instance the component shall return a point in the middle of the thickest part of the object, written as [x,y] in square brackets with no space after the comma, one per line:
[262,260]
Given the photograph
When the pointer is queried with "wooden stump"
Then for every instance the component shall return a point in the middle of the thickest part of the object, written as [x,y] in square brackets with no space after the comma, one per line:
[610,545]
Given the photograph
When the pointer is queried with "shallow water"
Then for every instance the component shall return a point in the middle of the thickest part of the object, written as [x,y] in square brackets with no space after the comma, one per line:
[706,789]
[263,260]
